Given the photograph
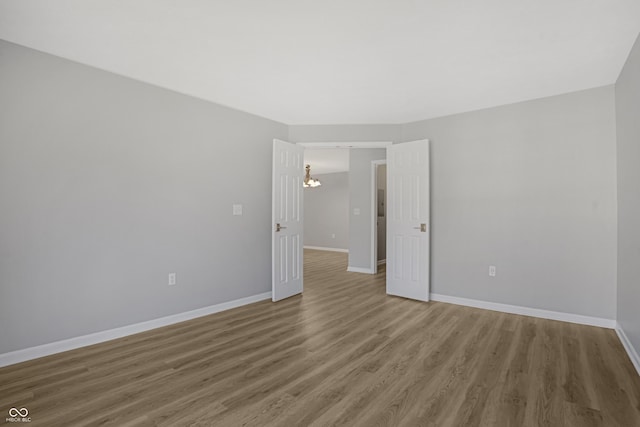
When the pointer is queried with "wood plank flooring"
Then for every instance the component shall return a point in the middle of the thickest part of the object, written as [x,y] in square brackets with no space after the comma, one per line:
[343,354]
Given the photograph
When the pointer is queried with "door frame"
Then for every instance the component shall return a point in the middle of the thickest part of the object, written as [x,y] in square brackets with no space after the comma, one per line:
[374,213]
[344,144]
[355,145]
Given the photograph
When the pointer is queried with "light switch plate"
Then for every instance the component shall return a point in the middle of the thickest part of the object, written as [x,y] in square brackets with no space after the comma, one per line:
[356,211]
[237,209]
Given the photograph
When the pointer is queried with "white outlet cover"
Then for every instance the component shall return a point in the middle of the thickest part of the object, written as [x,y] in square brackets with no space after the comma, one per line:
[356,211]
[237,209]
[492,270]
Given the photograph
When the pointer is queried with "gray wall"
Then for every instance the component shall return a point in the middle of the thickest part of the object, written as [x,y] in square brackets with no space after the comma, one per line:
[326,212]
[628,133]
[529,188]
[107,185]
[360,198]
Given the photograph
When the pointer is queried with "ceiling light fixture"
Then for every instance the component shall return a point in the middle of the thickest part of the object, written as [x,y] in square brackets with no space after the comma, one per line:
[308,181]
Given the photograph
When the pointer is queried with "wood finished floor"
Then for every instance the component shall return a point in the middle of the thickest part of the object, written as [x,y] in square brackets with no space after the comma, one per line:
[342,354]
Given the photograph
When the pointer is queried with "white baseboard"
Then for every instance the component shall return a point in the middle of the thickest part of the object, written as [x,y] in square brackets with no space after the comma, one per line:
[382,261]
[633,355]
[102,336]
[527,311]
[321,248]
[360,270]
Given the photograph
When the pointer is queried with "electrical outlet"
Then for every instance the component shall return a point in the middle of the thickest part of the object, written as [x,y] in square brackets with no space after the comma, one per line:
[492,270]
[333,235]
[172,279]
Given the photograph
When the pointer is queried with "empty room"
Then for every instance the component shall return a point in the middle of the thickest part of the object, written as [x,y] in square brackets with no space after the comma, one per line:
[462,250]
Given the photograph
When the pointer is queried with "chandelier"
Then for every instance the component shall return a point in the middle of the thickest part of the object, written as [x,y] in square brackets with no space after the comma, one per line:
[308,181]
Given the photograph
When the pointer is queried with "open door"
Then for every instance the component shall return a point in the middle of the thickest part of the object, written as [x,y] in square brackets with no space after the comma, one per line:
[287,226]
[408,228]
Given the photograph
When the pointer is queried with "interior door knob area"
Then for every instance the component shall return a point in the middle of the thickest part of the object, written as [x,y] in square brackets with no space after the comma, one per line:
[422,228]
[279,227]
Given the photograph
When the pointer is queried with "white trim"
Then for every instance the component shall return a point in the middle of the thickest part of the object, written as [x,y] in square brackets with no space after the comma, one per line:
[527,311]
[631,352]
[374,212]
[351,144]
[102,336]
[360,270]
[382,261]
[322,248]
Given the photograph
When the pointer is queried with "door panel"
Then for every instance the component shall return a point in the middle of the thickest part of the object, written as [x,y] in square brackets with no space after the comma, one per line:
[408,231]
[287,227]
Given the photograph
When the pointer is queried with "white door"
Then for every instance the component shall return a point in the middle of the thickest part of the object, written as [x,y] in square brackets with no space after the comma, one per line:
[286,240]
[408,228]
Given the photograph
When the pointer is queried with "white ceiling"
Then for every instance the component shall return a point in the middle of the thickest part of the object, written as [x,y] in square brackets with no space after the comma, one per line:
[340,61]
[327,160]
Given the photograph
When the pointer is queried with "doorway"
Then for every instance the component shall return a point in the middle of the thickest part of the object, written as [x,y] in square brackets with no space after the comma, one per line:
[357,205]
[378,213]
[406,216]
[326,205]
